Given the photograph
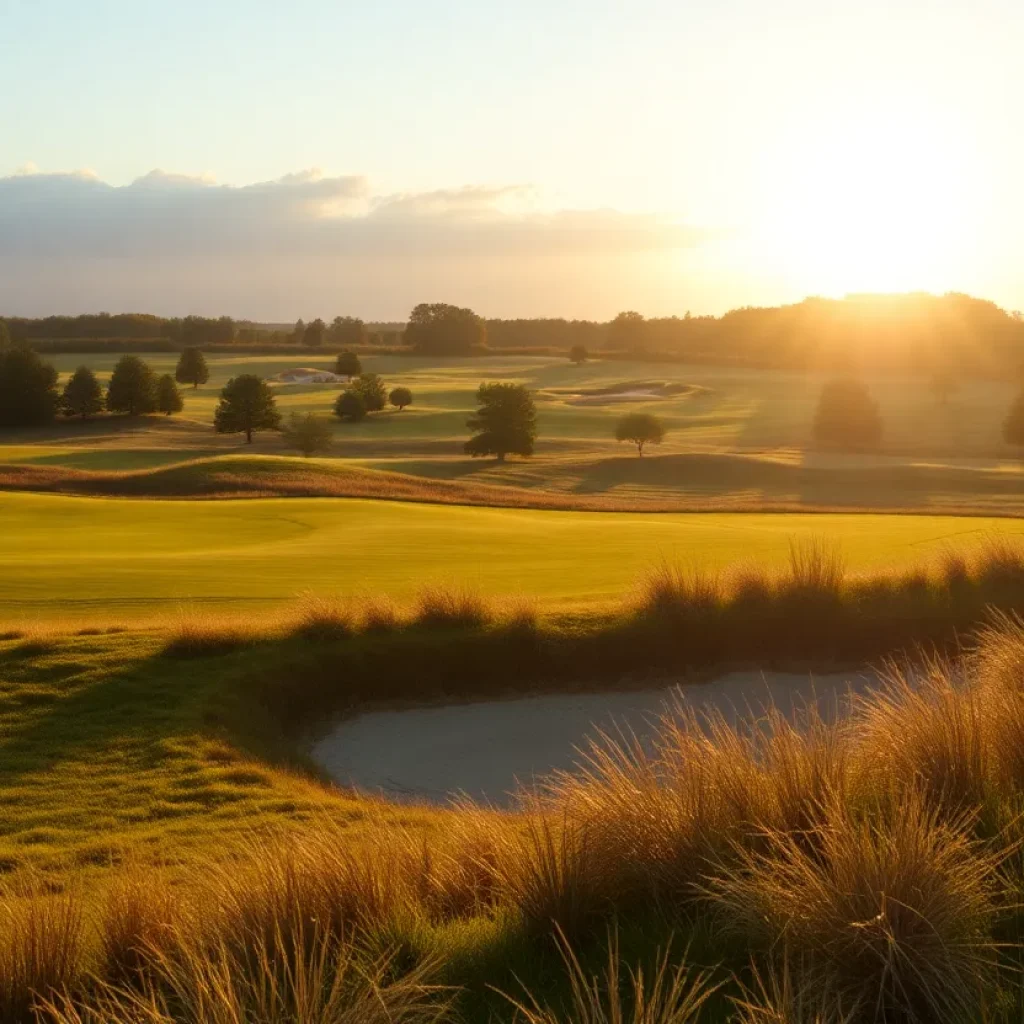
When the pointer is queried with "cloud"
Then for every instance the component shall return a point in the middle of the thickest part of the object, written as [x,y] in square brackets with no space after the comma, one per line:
[309,244]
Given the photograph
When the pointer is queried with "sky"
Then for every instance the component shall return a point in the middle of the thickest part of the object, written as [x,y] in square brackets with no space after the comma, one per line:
[556,158]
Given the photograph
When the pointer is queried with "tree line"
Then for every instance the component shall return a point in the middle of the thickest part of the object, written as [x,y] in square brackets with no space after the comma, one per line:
[953,332]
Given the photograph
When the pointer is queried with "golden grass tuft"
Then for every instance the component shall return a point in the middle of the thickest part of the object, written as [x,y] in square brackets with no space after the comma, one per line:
[41,943]
[894,914]
[444,606]
[197,633]
[671,993]
[323,617]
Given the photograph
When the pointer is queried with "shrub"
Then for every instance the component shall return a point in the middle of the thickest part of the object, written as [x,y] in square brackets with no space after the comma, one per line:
[168,397]
[350,406]
[370,388]
[308,434]
[82,395]
[640,428]
[132,388]
[28,389]
[348,365]
[847,415]
[505,423]
[191,368]
[246,404]
[400,397]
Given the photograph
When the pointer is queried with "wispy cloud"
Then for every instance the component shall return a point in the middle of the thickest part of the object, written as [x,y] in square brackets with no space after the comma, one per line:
[309,244]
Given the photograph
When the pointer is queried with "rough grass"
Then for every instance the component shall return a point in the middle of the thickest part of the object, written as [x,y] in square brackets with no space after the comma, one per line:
[724,875]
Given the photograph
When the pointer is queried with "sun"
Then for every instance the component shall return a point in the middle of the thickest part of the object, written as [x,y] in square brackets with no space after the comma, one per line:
[879,202]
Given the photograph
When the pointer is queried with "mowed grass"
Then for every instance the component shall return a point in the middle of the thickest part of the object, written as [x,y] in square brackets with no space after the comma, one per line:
[115,559]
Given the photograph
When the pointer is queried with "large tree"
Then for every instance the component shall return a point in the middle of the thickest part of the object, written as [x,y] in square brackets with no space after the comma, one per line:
[246,404]
[308,433]
[505,423]
[28,388]
[82,395]
[132,387]
[350,406]
[437,328]
[313,336]
[847,416]
[168,397]
[628,332]
[640,428]
[192,368]
[348,330]
[347,365]
[370,389]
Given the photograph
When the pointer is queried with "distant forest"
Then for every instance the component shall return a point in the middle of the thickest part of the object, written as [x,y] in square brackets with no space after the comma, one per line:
[953,332]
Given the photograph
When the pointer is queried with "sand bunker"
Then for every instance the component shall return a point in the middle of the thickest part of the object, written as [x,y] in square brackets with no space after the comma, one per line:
[484,749]
[627,391]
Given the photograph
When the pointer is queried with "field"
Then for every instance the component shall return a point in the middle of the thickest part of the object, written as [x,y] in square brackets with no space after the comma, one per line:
[115,559]
[180,614]
[737,438]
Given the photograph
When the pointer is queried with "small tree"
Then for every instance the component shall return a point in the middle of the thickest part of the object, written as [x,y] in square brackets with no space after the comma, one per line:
[350,406]
[1013,425]
[371,390]
[640,428]
[847,415]
[246,404]
[505,423]
[313,336]
[132,387]
[168,397]
[578,354]
[308,434]
[400,397]
[28,388]
[83,395]
[348,365]
[192,368]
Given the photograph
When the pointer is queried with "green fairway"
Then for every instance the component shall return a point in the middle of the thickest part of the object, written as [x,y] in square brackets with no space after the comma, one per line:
[95,557]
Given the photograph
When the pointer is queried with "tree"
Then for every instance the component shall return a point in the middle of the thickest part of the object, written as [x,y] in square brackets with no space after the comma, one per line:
[437,328]
[313,336]
[5,336]
[350,406]
[82,395]
[28,388]
[578,354]
[628,332]
[299,332]
[505,423]
[370,389]
[1013,425]
[348,365]
[132,387]
[308,433]
[348,330]
[192,368]
[246,404]
[168,397]
[847,415]
[400,397]
[641,428]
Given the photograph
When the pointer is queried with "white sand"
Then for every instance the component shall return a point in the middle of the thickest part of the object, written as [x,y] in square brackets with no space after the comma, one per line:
[483,749]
